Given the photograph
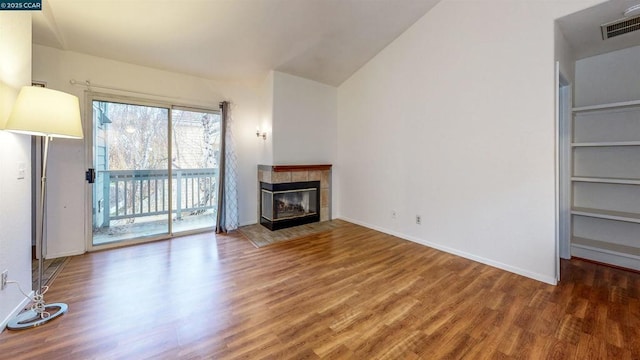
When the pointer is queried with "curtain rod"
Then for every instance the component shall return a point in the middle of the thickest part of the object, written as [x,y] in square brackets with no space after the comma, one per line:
[89,85]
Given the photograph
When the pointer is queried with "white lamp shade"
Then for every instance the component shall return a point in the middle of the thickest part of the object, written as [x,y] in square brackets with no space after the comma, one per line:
[45,112]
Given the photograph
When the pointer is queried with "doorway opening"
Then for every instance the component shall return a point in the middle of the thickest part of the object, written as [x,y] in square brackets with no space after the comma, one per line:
[563,170]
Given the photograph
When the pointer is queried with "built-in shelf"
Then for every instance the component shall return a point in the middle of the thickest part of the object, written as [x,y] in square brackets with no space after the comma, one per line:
[607,247]
[606,180]
[607,214]
[604,252]
[606,143]
[607,106]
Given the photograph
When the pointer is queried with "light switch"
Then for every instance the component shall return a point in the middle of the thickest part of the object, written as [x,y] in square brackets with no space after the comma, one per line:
[21,170]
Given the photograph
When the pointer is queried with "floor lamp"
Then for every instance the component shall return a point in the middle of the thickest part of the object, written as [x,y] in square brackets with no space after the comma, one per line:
[48,113]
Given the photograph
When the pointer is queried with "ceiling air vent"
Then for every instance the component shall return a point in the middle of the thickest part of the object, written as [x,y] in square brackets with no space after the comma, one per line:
[619,27]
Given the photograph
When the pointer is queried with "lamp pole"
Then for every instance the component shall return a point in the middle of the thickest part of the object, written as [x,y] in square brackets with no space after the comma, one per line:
[43,189]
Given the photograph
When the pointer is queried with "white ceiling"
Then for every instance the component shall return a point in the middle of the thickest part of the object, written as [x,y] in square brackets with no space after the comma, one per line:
[322,40]
[582,29]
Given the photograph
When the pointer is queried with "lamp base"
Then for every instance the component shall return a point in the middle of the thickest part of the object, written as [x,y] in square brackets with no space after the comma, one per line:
[30,319]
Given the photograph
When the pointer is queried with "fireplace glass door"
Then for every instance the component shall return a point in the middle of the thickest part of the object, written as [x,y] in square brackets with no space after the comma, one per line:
[290,204]
[295,204]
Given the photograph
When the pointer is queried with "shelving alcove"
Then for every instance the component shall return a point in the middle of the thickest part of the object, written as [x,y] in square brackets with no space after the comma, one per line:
[605,183]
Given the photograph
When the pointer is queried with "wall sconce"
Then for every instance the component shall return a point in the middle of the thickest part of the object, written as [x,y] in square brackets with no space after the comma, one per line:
[263,134]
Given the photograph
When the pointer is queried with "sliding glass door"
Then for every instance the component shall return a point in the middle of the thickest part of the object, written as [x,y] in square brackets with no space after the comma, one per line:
[194,158]
[154,171]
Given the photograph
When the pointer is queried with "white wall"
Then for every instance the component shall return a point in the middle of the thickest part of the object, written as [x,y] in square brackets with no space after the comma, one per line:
[265,123]
[454,121]
[304,121]
[610,77]
[67,188]
[15,194]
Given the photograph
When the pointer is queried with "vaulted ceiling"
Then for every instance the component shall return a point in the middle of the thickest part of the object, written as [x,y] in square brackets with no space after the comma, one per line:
[322,40]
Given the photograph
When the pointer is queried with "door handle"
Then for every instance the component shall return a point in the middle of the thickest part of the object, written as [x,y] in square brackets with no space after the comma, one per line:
[90,176]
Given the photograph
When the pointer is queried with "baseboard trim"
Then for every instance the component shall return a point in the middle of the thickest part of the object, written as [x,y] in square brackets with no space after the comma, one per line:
[607,265]
[59,255]
[502,266]
[15,312]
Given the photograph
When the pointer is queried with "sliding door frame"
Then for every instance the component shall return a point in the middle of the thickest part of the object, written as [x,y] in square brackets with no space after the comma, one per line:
[90,97]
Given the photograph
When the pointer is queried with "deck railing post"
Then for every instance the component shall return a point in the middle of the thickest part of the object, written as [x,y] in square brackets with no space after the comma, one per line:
[106,198]
[178,194]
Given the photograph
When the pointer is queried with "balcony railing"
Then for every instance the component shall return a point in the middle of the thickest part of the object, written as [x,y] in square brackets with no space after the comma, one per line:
[139,193]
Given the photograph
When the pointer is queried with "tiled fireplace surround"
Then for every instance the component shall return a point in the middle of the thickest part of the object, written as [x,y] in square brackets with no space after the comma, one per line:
[279,174]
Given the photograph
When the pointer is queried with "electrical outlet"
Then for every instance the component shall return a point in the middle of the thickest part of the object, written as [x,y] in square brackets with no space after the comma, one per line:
[21,170]
[3,279]
[418,219]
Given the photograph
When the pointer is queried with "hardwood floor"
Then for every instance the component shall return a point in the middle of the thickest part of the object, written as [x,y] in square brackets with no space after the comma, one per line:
[351,293]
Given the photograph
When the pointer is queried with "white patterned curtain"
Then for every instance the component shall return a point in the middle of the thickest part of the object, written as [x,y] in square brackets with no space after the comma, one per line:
[227,217]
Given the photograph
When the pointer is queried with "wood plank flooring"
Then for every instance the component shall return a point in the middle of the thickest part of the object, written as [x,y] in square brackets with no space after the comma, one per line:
[350,293]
